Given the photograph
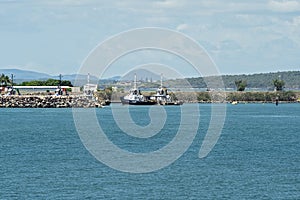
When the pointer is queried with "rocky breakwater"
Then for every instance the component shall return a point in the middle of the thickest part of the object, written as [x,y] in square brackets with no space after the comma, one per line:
[47,102]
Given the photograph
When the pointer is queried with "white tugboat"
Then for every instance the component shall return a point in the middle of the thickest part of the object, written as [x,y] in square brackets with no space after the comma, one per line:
[135,97]
[162,97]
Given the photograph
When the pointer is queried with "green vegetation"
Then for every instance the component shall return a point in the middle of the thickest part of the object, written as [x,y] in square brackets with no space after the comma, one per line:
[49,82]
[173,96]
[262,96]
[104,94]
[263,80]
[278,84]
[253,96]
[4,80]
[240,85]
[203,97]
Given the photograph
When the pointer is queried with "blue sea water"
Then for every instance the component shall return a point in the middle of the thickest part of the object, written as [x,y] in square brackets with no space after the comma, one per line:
[256,157]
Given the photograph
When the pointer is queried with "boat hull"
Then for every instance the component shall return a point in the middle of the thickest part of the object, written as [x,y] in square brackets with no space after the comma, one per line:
[134,102]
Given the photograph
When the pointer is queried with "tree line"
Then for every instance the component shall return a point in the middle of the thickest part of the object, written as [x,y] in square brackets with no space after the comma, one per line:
[242,84]
[49,82]
[290,80]
[289,96]
[6,81]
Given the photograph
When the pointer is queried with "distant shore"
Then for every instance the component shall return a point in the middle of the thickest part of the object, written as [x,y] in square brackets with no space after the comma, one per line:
[52,101]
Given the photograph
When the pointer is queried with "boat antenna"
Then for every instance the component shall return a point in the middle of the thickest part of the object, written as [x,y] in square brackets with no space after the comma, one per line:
[88,78]
[135,81]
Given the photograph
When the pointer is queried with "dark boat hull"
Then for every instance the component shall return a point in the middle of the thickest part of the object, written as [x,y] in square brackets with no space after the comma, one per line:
[132,102]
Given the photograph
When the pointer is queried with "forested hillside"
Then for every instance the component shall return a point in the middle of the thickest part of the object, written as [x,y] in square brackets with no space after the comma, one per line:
[263,80]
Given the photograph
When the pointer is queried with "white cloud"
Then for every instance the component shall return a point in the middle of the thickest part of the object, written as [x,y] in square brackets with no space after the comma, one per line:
[296,21]
[284,6]
[182,27]
[251,20]
[68,2]
[169,3]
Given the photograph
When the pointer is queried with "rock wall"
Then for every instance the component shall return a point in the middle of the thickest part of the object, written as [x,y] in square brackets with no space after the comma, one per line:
[47,102]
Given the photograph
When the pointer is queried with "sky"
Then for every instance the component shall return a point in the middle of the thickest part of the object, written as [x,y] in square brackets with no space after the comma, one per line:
[55,36]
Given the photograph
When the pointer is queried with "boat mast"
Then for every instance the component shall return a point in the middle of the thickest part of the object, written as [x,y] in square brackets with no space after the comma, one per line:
[161,77]
[135,82]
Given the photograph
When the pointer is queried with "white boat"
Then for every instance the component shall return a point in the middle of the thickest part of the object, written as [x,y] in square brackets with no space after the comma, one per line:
[234,103]
[135,97]
[162,97]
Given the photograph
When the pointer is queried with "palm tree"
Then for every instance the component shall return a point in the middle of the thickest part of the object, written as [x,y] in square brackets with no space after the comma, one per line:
[4,80]
[240,85]
[278,84]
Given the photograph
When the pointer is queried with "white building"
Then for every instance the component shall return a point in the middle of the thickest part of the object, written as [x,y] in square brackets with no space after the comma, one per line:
[90,88]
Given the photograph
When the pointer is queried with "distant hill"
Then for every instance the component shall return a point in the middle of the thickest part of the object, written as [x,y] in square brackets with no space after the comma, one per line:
[26,75]
[262,80]
[142,74]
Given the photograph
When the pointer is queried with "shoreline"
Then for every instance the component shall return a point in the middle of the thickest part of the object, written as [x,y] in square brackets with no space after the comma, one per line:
[39,101]
[80,101]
